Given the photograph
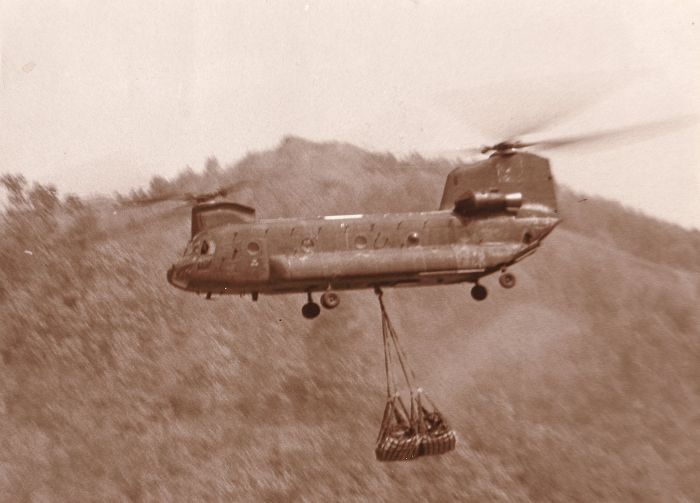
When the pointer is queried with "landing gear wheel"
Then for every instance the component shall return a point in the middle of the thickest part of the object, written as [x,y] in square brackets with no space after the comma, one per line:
[330,300]
[479,292]
[310,310]
[507,280]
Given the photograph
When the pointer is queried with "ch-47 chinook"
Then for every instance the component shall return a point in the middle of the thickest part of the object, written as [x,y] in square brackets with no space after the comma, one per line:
[493,214]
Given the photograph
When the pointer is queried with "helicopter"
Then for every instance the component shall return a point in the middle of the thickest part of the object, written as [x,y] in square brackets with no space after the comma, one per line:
[493,213]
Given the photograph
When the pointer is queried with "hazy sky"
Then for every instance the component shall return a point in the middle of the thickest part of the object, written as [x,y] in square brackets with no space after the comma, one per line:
[99,96]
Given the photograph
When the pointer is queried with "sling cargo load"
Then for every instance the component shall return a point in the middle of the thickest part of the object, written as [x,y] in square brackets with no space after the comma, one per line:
[408,432]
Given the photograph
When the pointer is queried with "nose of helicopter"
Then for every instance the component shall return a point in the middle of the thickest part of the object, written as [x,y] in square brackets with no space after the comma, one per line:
[178,276]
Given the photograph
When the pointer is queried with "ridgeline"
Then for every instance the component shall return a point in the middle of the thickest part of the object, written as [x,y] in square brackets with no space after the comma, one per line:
[580,384]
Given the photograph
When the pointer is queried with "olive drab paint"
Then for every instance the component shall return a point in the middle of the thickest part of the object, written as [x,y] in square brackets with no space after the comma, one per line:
[493,213]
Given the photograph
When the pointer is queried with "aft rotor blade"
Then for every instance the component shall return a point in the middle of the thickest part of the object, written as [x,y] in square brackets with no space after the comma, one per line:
[454,152]
[515,106]
[636,132]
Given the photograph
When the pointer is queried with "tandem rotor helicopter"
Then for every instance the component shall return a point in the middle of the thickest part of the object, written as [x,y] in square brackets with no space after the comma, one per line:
[493,213]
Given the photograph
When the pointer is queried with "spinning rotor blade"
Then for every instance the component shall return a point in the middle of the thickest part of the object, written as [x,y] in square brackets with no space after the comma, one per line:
[509,110]
[513,107]
[188,197]
[233,187]
[454,152]
[636,132]
[147,201]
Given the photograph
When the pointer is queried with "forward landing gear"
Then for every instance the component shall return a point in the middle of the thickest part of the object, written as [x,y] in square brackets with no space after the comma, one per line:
[330,299]
[310,310]
[479,292]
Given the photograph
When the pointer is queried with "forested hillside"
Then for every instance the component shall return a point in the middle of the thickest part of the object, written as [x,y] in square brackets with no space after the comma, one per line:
[581,384]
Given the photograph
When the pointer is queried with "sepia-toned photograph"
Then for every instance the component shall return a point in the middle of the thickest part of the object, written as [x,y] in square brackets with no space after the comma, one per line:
[319,251]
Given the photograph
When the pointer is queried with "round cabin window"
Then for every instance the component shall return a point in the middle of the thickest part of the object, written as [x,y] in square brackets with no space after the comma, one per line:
[413,239]
[253,248]
[360,242]
[527,237]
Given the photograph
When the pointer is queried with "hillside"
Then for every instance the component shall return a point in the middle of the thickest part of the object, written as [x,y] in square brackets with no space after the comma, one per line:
[581,384]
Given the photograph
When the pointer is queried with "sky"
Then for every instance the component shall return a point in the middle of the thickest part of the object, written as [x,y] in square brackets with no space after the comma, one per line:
[99,96]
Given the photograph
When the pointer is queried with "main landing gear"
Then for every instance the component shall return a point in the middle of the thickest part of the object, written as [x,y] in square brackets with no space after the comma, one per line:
[506,279]
[479,292]
[329,300]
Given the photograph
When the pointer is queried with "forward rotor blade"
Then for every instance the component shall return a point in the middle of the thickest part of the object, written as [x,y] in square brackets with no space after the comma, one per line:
[179,207]
[233,187]
[154,200]
[189,197]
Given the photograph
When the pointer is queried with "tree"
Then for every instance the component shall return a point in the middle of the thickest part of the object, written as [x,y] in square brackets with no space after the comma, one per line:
[73,203]
[137,194]
[15,186]
[212,166]
[158,186]
[43,197]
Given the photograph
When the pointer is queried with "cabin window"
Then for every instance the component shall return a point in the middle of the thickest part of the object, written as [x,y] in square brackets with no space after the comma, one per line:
[527,237]
[381,241]
[307,244]
[360,242]
[253,248]
[413,239]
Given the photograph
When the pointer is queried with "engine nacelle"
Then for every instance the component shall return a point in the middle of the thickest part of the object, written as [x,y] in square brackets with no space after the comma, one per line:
[475,202]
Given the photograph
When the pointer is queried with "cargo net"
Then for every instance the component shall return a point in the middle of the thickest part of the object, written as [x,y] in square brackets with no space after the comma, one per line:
[407,432]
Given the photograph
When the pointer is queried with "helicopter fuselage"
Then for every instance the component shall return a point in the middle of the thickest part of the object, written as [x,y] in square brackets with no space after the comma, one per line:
[357,251]
[493,213]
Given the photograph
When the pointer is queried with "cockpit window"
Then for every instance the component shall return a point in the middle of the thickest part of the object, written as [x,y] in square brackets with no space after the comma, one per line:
[208,247]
